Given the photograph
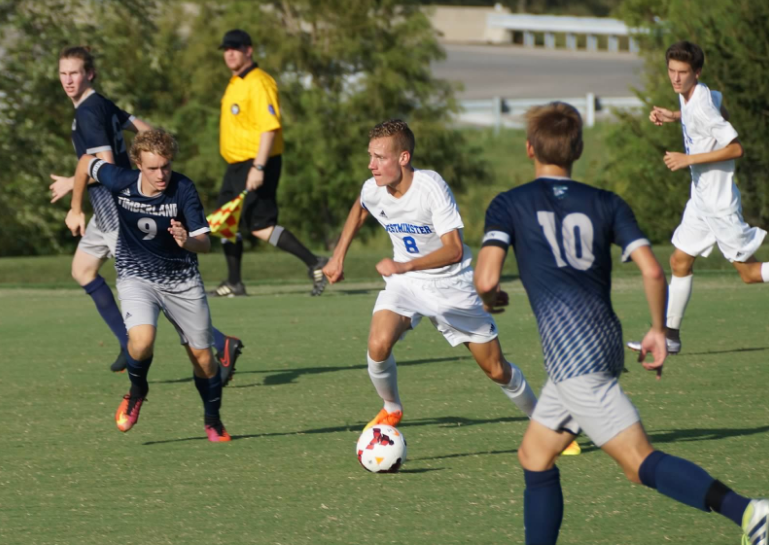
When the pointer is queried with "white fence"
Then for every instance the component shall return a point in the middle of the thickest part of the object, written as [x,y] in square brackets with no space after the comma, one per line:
[498,112]
[550,25]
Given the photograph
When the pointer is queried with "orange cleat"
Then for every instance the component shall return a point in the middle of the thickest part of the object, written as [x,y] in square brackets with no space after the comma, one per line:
[128,412]
[216,433]
[388,419]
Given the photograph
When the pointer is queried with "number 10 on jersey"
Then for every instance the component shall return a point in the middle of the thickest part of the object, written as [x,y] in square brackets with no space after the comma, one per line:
[577,236]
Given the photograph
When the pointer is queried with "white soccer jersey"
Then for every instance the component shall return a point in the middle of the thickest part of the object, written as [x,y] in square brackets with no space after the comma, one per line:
[705,130]
[417,220]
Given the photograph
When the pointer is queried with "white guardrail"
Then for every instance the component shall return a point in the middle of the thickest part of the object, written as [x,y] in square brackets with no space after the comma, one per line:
[550,25]
[499,111]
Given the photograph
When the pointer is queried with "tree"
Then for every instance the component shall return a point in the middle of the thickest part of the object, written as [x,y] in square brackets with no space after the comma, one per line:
[734,36]
[343,66]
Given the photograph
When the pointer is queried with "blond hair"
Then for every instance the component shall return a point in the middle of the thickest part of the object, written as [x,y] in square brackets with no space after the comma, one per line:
[156,141]
[400,132]
[555,132]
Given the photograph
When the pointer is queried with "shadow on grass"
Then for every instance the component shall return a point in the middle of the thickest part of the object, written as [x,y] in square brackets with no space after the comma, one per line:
[444,421]
[692,435]
[289,376]
[732,351]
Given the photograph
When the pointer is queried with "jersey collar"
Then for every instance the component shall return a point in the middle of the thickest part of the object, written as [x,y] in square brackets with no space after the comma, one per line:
[246,71]
[85,96]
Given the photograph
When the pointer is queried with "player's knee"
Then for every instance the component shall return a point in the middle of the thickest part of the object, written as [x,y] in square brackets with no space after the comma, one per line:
[82,275]
[140,349]
[499,371]
[379,348]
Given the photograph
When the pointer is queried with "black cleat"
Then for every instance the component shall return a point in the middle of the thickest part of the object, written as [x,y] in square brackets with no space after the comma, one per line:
[319,279]
[232,349]
[119,365]
[226,289]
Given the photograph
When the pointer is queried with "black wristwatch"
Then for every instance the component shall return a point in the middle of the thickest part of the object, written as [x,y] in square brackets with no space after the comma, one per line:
[257,167]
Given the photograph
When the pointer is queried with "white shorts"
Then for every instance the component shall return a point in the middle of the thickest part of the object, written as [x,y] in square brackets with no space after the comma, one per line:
[594,404]
[698,233]
[98,243]
[141,303]
[451,304]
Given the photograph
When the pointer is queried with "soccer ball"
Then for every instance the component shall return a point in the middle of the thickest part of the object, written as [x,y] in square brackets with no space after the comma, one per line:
[381,449]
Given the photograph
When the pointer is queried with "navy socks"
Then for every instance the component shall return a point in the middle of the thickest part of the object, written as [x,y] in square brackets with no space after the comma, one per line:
[137,372]
[219,341]
[542,506]
[688,483]
[210,390]
[105,303]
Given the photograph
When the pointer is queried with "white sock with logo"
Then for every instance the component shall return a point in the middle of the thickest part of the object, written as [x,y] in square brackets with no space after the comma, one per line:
[679,292]
[519,391]
[384,377]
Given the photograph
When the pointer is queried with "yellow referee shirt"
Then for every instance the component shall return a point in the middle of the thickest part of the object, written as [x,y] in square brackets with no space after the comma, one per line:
[250,106]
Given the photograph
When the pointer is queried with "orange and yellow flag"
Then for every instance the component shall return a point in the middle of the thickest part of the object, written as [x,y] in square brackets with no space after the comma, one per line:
[224,221]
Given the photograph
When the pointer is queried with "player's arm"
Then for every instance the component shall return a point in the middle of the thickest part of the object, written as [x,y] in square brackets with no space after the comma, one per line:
[75,217]
[656,289]
[256,176]
[660,116]
[488,273]
[198,243]
[134,124]
[677,161]
[451,252]
[334,269]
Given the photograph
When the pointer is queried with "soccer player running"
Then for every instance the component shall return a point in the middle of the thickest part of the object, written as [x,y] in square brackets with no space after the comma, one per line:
[562,231]
[713,214]
[429,276]
[97,130]
[162,228]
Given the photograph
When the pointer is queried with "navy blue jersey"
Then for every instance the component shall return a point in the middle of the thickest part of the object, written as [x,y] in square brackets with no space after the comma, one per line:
[98,126]
[145,248]
[562,232]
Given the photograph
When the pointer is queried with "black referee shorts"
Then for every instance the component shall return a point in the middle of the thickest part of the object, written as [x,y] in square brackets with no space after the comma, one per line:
[260,209]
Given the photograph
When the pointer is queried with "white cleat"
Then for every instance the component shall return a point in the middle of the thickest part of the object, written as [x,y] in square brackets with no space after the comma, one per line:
[755,523]
[674,347]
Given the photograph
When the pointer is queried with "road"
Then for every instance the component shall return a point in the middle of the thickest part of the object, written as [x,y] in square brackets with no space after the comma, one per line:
[515,72]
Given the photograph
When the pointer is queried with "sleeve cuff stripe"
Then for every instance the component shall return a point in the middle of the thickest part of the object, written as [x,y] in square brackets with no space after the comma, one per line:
[91,151]
[93,167]
[633,246]
[499,236]
[497,243]
[129,122]
[201,231]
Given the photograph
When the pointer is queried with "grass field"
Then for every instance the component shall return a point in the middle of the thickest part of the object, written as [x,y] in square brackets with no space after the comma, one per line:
[299,400]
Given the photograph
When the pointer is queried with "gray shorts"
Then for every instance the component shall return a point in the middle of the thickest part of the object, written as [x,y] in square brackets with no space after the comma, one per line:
[96,242]
[141,302]
[594,404]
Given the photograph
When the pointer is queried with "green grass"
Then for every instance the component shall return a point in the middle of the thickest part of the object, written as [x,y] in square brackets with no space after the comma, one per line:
[298,402]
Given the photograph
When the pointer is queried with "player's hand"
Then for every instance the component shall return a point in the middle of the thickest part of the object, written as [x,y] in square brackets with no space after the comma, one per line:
[676,161]
[255,179]
[76,223]
[334,271]
[179,233]
[654,343]
[60,186]
[388,267]
[501,301]
[660,116]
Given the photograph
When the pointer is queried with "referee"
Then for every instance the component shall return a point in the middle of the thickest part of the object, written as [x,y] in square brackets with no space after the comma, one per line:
[251,141]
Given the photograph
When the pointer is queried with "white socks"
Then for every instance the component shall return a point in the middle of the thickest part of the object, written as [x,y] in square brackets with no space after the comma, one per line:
[519,391]
[679,292]
[765,271]
[384,377]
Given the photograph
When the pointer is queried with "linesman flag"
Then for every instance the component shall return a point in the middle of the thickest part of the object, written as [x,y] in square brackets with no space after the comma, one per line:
[224,221]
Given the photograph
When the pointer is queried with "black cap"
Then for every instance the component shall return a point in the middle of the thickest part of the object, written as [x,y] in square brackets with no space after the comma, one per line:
[235,39]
